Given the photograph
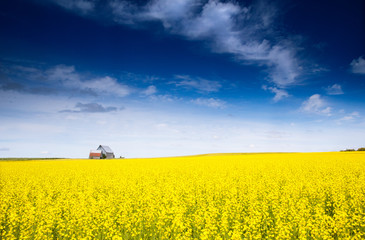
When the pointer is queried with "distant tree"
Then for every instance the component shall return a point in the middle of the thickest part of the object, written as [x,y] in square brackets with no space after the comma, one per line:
[348,150]
[361,149]
[103,156]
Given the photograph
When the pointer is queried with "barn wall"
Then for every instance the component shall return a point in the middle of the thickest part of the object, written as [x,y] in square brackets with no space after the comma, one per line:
[109,155]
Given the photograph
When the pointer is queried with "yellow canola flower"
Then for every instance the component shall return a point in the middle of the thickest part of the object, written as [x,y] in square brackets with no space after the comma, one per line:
[222,196]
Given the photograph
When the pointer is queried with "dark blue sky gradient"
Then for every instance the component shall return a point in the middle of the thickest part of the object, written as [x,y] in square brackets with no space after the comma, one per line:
[331,32]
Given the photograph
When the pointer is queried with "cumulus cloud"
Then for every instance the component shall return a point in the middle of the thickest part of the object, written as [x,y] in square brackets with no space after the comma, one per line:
[209,102]
[200,84]
[279,93]
[215,21]
[90,108]
[335,89]
[315,104]
[358,65]
[247,32]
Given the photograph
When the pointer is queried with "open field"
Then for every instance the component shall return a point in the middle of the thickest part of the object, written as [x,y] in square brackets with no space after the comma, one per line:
[223,196]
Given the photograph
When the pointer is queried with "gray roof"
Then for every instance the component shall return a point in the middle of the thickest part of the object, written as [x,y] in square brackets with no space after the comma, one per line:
[106,148]
[95,151]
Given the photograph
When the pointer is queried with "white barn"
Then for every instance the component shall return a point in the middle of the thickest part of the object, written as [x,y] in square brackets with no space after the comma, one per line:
[106,151]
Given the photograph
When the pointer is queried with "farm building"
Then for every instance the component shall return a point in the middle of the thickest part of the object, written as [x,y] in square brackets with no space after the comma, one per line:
[106,152]
[95,154]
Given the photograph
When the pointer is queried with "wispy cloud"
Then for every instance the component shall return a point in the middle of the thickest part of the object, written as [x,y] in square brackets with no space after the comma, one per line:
[151,90]
[165,98]
[18,87]
[197,83]
[350,117]
[4,149]
[317,69]
[335,89]
[61,79]
[68,77]
[279,93]
[358,65]
[81,6]
[248,32]
[12,86]
[90,108]
[315,104]
[209,102]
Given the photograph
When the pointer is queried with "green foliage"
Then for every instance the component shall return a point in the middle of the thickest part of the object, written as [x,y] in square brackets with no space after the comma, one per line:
[361,149]
[348,150]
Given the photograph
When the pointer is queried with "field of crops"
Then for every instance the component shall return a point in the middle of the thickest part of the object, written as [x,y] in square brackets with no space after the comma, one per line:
[237,196]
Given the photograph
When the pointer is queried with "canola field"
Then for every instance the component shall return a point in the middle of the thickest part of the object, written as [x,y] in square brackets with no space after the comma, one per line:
[222,196]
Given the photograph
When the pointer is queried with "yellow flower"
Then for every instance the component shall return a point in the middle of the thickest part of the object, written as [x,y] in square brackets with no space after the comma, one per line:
[223,196]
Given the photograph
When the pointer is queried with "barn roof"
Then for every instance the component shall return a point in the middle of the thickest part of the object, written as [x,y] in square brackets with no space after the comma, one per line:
[95,151]
[106,148]
[95,154]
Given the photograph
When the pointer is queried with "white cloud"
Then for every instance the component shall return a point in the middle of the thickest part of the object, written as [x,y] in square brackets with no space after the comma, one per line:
[151,90]
[106,85]
[315,104]
[234,29]
[124,12]
[168,12]
[316,69]
[279,93]
[200,84]
[285,68]
[68,77]
[350,117]
[326,111]
[146,132]
[358,65]
[81,6]
[209,102]
[90,108]
[165,98]
[33,121]
[335,89]
[228,26]
[216,20]
[63,73]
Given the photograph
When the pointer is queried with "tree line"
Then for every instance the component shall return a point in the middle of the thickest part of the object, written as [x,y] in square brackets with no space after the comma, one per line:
[352,150]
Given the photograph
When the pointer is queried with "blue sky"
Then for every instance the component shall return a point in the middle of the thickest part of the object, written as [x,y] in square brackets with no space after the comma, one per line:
[167,78]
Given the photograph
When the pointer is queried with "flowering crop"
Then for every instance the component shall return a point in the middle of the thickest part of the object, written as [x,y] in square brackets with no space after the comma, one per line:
[222,196]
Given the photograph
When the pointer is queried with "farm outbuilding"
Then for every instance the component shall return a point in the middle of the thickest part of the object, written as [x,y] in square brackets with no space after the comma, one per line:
[106,152]
[95,154]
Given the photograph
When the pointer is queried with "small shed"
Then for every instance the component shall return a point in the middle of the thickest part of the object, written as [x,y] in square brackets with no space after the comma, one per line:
[95,154]
[106,152]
